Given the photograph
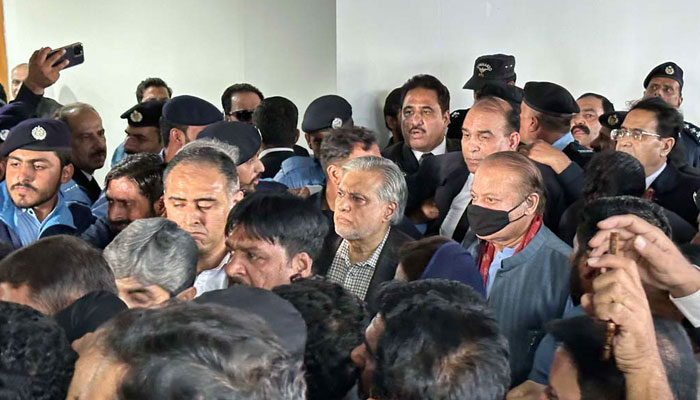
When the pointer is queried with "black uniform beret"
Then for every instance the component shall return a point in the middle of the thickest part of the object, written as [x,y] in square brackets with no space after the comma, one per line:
[326,112]
[612,120]
[89,312]
[454,129]
[41,134]
[280,315]
[549,98]
[12,114]
[147,113]
[491,68]
[244,136]
[669,69]
[191,111]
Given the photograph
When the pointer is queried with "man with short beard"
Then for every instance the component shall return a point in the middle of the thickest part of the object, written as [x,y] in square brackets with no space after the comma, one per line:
[88,151]
[38,153]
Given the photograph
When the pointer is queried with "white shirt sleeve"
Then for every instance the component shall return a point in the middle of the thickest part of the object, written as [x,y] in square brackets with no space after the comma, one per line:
[689,306]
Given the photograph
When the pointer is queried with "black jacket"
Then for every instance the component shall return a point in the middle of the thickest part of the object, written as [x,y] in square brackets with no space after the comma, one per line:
[402,155]
[91,188]
[674,190]
[273,162]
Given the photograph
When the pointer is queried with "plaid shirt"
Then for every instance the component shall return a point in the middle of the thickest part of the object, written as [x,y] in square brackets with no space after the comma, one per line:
[354,277]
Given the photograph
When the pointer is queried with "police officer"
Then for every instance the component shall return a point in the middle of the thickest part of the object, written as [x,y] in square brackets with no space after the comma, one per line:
[488,69]
[143,128]
[184,117]
[38,153]
[247,139]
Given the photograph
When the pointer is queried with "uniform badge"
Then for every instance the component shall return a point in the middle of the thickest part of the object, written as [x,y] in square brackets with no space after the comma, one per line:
[136,116]
[669,70]
[39,133]
[337,123]
[613,120]
[3,134]
[483,68]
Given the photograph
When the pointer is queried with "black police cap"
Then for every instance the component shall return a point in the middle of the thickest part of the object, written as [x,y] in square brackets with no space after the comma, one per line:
[13,114]
[510,93]
[549,98]
[454,129]
[491,68]
[612,120]
[147,113]
[669,69]
[191,111]
[40,134]
[326,112]
[244,136]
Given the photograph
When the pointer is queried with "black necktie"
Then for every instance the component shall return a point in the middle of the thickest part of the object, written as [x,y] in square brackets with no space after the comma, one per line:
[93,189]
[461,228]
[424,156]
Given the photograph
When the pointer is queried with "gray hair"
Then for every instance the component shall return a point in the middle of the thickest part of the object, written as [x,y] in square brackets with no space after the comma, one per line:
[393,189]
[154,251]
[213,152]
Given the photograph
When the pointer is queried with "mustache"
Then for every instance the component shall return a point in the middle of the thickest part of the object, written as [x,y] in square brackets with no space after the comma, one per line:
[25,185]
[236,280]
[119,223]
[416,128]
[101,152]
[584,128]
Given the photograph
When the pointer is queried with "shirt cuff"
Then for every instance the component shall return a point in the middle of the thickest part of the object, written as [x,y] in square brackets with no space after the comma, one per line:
[689,306]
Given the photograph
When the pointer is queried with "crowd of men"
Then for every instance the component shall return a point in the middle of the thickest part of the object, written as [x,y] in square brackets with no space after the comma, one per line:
[535,245]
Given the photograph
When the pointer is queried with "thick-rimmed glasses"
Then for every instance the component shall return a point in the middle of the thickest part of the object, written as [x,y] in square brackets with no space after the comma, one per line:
[636,134]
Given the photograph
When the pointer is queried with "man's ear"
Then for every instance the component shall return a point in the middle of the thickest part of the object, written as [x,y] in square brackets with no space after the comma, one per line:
[667,146]
[187,294]
[446,118]
[159,207]
[308,139]
[67,173]
[389,211]
[296,136]
[334,173]
[302,264]
[178,137]
[514,140]
[532,201]
[237,197]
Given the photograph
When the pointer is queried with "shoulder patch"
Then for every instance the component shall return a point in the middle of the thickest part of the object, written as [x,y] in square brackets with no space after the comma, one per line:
[692,131]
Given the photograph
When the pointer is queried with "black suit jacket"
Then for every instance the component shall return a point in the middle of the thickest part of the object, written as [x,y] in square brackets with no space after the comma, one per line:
[402,155]
[674,190]
[384,270]
[273,162]
[578,154]
[91,188]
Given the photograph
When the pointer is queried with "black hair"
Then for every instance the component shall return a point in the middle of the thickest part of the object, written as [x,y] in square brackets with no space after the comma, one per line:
[166,126]
[440,342]
[3,95]
[145,170]
[554,123]
[64,156]
[281,218]
[429,82]
[149,82]
[608,106]
[277,119]
[58,270]
[584,339]
[336,320]
[202,155]
[691,252]
[237,88]
[669,121]
[189,346]
[613,173]
[393,103]
[339,143]
[5,249]
[415,256]
[37,360]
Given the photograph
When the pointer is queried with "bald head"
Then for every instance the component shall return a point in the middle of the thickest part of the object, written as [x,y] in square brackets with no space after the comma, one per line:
[18,75]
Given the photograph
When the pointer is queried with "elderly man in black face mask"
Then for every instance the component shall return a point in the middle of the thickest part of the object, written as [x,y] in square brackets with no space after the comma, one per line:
[524,266]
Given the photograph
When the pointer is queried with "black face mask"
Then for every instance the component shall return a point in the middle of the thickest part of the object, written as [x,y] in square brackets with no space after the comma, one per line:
[485,221]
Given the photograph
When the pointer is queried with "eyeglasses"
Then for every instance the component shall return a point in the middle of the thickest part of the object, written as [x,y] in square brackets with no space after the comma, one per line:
[242,115]
[637,134]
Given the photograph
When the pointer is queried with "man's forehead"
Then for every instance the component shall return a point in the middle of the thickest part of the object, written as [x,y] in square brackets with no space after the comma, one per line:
[360,181]
[660,80]
[26,155]
[420,96]
[639,119]
[590,102]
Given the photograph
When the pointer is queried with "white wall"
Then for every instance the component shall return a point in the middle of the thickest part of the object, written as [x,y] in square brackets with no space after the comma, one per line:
[283,47]
[596,45]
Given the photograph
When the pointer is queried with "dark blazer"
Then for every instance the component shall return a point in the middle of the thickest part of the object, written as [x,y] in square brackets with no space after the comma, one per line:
[578,154]
[91,188]
[384,270]
[448,186]
[300,151]
[273,162]
[674,190]
[402,155]
[681,231]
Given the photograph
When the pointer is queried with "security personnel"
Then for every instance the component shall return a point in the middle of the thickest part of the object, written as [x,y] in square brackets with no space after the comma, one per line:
[142,130]
[321,116]
[666,81]
[184,117]
[545,114]
[38,152]
[247,139]
[608,122]
[496,69]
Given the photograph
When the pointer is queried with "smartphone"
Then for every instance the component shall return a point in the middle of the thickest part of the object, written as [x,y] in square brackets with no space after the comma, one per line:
[74,54]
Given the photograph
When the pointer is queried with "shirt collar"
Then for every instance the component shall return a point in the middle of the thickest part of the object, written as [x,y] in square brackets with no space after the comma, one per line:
[563,141]
[273,150]
[437,151]
[651,178]
[372,260]
[88,176]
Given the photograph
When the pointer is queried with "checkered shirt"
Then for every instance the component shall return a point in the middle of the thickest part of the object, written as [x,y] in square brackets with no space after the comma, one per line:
[354,277]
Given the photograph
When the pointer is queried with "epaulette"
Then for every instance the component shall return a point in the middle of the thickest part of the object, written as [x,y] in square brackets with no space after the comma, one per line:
[693,131]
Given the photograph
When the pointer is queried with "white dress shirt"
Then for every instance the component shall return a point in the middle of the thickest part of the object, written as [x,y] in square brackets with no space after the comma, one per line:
[437,151]
[212,279]
[651,178]
[459,204]
[273,150]
[689,306]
